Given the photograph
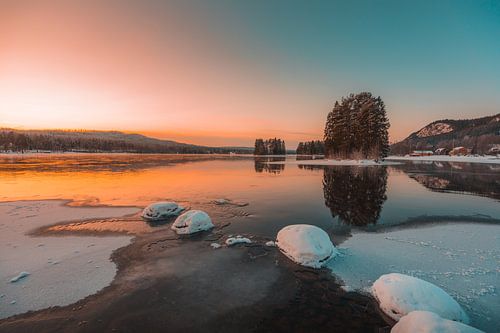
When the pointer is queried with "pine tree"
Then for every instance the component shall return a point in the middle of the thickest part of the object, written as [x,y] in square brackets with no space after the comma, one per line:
[357,127]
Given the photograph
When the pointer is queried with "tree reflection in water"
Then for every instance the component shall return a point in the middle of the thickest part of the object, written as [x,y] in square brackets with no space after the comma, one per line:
[261,164]
[355,194]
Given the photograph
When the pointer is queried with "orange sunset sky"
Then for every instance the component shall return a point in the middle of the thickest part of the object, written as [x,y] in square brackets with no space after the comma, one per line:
[226,72]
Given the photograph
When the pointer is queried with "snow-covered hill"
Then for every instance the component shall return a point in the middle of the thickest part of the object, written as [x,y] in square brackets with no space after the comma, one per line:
[479,135]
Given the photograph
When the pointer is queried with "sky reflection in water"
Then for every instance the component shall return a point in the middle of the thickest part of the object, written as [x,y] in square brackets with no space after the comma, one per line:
[335,198]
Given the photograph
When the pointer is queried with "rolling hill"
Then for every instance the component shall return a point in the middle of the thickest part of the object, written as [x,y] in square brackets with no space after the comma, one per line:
[99,141]
[479,135]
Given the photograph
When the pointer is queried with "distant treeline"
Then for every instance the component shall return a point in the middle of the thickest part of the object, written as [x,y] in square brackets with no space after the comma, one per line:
[270,147]
[311,148]
[93,141]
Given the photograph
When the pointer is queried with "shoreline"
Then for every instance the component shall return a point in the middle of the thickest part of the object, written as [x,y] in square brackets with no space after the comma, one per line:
[158,274]
[159,270]
[489,159]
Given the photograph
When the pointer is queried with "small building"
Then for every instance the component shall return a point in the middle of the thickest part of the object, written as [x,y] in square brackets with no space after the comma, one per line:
[441,151]
[459,151]
[422,153]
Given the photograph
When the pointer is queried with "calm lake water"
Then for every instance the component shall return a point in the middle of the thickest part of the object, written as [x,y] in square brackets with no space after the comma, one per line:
[387,207]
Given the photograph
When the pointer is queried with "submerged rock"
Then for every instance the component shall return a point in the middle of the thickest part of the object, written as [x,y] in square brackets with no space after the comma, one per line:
[191,222]
[400,294]
[161,210]
[429,322]
[306,245]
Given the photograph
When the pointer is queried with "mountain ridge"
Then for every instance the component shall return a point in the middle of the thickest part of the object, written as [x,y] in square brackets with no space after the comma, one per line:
[478,134]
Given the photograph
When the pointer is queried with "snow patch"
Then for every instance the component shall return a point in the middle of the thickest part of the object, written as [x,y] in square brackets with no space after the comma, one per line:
[447,158]
[336,162]
[400,294]
[221,201]
[306,245]
[237,240]
[191,222]
[19,276]
[215,245]
[270,244]
[161,210]
[434,129]
[429,322]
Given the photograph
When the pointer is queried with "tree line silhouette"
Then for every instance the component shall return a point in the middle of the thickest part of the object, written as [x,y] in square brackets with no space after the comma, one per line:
[269,147]
[311,148]
[83,141]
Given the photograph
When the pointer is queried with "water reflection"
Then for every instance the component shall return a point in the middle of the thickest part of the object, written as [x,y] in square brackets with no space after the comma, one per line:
[479,179]
[262,164]
[75,163]
[355,195]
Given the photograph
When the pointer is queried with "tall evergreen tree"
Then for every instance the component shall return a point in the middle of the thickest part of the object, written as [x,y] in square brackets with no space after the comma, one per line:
[357,127]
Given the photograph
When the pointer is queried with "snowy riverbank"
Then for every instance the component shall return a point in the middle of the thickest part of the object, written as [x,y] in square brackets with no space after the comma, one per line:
[335,162]
[447,158]
[461,258]
[61,270]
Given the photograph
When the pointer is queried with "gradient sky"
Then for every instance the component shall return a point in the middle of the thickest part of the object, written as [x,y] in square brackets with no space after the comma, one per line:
[223,72]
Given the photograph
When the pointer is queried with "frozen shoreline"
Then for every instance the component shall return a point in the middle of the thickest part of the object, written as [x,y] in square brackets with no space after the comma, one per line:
[335,162]
[446,158]
[61,270]
[460,258]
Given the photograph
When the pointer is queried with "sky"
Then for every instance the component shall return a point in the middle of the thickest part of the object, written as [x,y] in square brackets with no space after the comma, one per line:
[223,72]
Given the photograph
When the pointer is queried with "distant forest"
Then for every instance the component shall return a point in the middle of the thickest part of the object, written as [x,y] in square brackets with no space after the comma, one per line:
[357,128]
[98,141]
[311,148]
[270,147]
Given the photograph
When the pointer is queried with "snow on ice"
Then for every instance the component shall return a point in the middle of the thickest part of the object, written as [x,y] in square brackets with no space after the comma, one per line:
[19,276]
[460,258]
[237,240]
[161,210]
[191,222]
[400,294]
[429,322]
[306,245]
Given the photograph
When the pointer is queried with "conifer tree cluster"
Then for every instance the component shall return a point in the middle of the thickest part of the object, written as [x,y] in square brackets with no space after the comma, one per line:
[270,147]
[357,128]
[311,148]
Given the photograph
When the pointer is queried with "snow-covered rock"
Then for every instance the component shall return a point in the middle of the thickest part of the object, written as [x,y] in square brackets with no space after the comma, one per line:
[192,221]
[19,276]
[161,210]
[237,240]
[429,322]
[270,244]
[306,245]
[400,294]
